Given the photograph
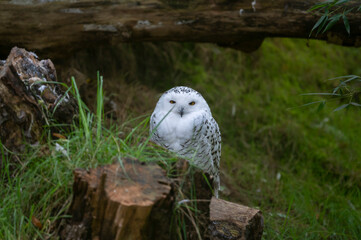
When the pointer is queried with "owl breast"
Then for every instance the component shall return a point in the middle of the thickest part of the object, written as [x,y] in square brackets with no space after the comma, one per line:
[175,132]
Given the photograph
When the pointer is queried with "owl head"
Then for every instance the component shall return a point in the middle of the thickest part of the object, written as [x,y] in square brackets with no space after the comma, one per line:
[183,101]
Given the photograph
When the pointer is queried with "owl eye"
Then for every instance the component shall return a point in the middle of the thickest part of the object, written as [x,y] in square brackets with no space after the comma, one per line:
[172,102]
[192,103]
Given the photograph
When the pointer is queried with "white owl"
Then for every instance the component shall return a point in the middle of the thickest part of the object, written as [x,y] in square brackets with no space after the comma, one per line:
[182,122]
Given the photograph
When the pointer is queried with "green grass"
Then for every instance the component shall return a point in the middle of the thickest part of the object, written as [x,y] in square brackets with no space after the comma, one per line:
[38,183]
[300,166]
[315,153]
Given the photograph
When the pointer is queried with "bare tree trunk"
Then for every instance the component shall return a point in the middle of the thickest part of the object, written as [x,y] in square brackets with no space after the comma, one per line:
[59,28]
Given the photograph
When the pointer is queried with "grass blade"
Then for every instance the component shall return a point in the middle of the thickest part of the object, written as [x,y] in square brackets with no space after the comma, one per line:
[318,23]
[83,121]
[320,94]
[321,106]
[310,103]
[333,21]
[341,107]
[100,106]
[323,24]
[341,2]
[346,23]
[355,104]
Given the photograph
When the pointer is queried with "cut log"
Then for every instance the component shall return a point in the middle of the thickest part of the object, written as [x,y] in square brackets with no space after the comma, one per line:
[62,27]
[114,202]
[230,221]
[30,99]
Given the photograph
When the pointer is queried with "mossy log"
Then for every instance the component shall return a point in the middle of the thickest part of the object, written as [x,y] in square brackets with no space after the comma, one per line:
[58,28]
[233,221]
[30,99]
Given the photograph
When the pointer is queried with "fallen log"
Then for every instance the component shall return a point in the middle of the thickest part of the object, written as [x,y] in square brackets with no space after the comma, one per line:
[29,99]
[233,221]
[242,24]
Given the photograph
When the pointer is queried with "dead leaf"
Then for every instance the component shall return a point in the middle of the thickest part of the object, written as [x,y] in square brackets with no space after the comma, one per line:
[58,135]
[36,222]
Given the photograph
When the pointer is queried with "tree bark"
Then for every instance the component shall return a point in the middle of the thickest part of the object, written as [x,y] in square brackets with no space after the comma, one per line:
[29,99]
[62,27]
[234,221]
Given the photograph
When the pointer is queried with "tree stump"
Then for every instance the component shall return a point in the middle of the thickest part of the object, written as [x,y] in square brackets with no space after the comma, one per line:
[30,99]
[230,221]
[115,202]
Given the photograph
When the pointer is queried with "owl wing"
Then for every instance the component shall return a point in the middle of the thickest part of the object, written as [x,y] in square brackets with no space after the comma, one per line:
[153,130]
[207,138]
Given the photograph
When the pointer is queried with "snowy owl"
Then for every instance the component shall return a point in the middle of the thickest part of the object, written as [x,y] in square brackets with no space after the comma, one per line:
[182,122]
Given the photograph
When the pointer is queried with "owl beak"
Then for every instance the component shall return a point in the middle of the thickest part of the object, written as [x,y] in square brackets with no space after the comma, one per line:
[181,111]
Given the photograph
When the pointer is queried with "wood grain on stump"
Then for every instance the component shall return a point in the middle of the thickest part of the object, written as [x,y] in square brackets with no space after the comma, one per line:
[114,202]
[232,221]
